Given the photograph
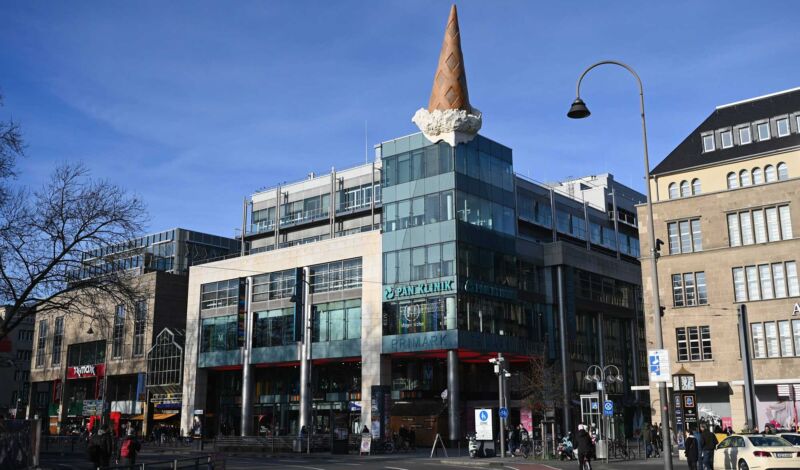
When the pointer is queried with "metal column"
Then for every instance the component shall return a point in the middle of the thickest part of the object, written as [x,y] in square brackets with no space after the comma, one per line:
[616,222]
[747,369]
[562,333]
[247,373]
[453,396]
[305,358]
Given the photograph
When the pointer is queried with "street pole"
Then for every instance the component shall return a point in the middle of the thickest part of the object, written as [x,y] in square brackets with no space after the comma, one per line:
[747,369]
[579,110]
[499,371]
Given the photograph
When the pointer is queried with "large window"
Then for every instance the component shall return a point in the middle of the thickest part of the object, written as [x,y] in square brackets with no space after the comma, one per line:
[694,343]
[357,197]
[422,210]
[93,352]
[219,334]
[119,332]
[310,208]
[776,339]
[485,213]
[272,286]
[274,328]
[534,208]
[765,281]
[479,164]
[336,275]
[766,224]
[41,342]
[689,289]
[219,294]
[139,326]
[415,264]
[685,236]
[336,321]
[58,339]
[425,162]
[420,315]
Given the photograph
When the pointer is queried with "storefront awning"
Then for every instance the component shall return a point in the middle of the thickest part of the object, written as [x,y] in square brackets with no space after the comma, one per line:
[136,418]
[161,416]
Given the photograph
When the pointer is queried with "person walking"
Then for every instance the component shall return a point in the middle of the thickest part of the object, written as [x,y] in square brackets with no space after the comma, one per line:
[585,447]
[655,435]
[647,438]
[708,442]
[129,448]
[691,450]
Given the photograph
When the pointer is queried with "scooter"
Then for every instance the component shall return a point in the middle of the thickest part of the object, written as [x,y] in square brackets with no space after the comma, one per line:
[472,445]
[565,449]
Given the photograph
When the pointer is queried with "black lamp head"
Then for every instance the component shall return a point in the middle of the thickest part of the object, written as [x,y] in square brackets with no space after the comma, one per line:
[578,110]
[90,331]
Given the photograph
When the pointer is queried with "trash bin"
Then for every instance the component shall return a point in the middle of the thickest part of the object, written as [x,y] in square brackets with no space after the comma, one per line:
[601,449]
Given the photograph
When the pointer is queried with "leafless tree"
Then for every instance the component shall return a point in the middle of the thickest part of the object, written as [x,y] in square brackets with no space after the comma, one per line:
[11,146]
[541,383]
[47,242]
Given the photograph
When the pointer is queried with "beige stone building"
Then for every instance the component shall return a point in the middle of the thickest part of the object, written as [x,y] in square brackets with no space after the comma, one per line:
[726,207]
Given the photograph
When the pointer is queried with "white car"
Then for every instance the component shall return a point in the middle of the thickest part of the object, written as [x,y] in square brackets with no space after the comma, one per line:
[792,437]
[755,451]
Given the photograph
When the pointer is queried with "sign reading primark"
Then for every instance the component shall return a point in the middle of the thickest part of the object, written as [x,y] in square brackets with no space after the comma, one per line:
[423,288]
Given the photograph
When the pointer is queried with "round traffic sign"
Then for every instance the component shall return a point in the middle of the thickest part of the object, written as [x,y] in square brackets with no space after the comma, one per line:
[484,415]
[504,412]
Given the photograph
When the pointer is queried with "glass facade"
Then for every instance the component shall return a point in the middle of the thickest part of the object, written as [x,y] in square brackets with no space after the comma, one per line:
[219,334]
[336,321]
[274,328]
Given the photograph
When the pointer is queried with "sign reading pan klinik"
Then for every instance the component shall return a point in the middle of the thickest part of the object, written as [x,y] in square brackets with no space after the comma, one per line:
[422,288]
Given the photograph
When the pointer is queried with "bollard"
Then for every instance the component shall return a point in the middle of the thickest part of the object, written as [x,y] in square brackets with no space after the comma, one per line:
[175,464]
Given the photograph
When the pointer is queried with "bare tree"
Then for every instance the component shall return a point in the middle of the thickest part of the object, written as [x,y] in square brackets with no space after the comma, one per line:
[47,243]
[541,383]
[11,147]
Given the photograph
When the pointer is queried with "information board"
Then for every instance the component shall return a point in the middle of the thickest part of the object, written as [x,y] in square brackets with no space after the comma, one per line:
[483,424]
[658,365]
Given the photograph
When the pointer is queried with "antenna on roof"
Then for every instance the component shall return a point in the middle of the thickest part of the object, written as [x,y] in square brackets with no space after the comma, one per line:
[366,144]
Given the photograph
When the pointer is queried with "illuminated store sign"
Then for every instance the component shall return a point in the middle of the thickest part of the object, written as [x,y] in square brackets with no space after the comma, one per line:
[422,288]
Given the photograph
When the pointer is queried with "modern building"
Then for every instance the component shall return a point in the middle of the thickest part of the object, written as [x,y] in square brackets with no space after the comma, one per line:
[78,359]
[410,273]
[726,209]
[15,367]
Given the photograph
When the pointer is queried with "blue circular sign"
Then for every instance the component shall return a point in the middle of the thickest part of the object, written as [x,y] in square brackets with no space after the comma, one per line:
[484,415]
[608,406]
[504,413]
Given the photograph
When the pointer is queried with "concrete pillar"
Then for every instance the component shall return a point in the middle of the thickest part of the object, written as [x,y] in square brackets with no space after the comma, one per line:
[195,379]
[246,423]
[453,396]
[562,330]
[305,358]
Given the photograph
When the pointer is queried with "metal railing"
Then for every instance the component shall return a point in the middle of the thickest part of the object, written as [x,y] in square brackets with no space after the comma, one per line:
[207,462]
[273,444]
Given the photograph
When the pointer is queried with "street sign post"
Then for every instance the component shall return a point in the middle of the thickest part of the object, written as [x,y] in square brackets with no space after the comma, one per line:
[504,412]
[658,365]
[608,408]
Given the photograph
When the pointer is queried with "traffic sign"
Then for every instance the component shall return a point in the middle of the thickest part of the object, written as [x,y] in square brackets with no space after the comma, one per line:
[594,406]
[504,412]
[608,408]
[658,365]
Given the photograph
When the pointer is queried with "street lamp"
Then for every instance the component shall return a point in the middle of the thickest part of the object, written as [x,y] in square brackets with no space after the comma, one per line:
[579,110]
[502,374]
[90,331]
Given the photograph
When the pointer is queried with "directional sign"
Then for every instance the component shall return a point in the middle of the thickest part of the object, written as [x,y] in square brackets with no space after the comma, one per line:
[504,412]
[608,408]
[658,365]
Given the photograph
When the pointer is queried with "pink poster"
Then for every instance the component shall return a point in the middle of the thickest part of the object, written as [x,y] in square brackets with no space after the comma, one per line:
[526,419]
[727,421]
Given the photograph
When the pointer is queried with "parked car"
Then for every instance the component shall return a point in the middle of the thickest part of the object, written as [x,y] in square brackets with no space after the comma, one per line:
[755,451]
[792,437]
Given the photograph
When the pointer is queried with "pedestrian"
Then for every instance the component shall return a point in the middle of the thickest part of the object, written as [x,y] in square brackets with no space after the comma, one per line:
[697,437]
[708,442]
[129,448]
[691,450]
[585,447]
[647,438]
[655,435]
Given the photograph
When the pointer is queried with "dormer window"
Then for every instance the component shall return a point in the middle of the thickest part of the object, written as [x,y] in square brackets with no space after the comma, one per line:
[783,127]
[708,143]
[744,135]
[727,139]
[763,131]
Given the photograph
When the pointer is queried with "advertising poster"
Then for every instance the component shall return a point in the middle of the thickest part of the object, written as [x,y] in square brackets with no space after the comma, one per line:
[526,419]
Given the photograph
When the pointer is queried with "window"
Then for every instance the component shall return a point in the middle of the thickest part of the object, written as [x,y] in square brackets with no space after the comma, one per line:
[727,139]
[771,334]
[139,324]
[765,282]
[274,328]
[219,294]
[696,186]
[685,236]
[58,338]
[40,344]
[694,343]
[336,321]
[708,143]
[796,335]
[783,127]
[783,171]
[760,225]
[685,189]
[744,178]
[673,191]
[785,336]
[758,176]
[763,131]
[759,345]
[219,334]
[119,332]
[733,181]
[769,174]
[689,289]
[744,135]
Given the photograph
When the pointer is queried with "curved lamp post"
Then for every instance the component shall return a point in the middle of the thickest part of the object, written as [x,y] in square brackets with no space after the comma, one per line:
[579,110]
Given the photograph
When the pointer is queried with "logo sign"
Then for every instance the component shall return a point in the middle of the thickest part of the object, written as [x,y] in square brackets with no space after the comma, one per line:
[483,424]
[608,408]
[658,365]
[198,412]
[688,401]
[84,371]
[422,288]
[504,412]
[411,315]
[796,310]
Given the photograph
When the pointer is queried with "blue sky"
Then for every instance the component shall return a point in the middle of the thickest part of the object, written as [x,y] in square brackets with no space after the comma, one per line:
[195,105]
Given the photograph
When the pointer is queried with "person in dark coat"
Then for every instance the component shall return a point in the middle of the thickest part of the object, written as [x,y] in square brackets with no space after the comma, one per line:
[708,442]
[128,449]
[691,449]
[585,446]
